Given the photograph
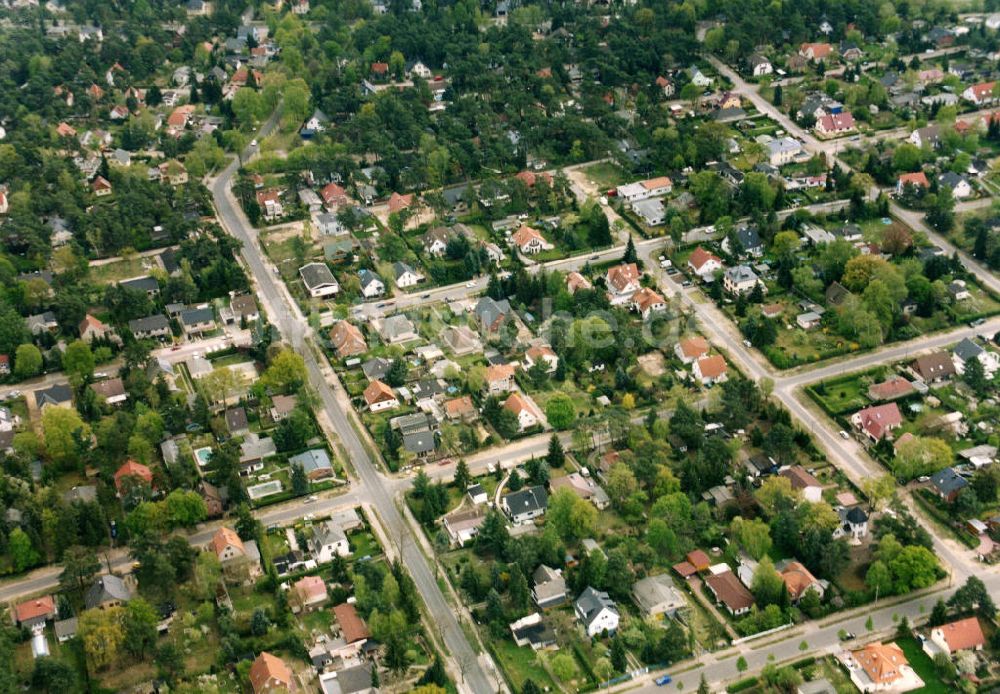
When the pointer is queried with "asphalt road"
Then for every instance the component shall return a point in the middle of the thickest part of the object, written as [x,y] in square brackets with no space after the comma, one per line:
[371,485]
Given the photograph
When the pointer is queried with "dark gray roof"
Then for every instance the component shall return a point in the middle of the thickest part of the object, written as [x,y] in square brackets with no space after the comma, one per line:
[366,277]
[194,316]
[236,419]
[376,368]
[311,461]
[527,500]
[105,589]
[591,602]
[948,481]
[856,515]
[149,323]
[967,349]
[419,442]
[54,395]
[141,284]
[316,275]
[489,310]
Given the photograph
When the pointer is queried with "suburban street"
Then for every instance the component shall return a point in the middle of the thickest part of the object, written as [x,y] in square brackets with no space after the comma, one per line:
[380,492]
[371,486]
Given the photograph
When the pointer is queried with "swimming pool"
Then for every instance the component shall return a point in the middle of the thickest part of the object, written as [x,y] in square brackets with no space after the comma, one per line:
[259,491]
[203,456]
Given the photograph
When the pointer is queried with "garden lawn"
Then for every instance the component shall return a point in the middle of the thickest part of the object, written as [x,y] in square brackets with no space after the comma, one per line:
[605,174]
[122,269]
[521,664]
[924,667]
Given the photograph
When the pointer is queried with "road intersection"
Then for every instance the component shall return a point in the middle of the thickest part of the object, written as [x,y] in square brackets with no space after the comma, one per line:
[379,492]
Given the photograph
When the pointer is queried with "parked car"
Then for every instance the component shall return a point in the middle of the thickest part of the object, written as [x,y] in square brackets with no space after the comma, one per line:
[663,679]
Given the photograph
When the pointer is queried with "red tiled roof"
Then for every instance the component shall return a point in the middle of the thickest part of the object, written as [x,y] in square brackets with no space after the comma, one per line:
[694,347]
[352,626]
[700,257]
[917,179]
[268,668]
[225,537]
[963,634]
[132,469]
[33,609]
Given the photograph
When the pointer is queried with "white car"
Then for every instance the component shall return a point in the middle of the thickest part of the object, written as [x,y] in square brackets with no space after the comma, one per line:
[470,285]
[253,143]
[844,435]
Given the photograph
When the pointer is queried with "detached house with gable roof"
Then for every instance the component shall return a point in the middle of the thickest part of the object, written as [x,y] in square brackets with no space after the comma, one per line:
[622,281]
[597,612]
[704,264]
[878,421]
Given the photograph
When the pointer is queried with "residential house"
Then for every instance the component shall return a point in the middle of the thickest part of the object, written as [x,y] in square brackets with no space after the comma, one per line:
[269,673]
[400,203]
[270,204]
[525,505]
[958,184]
[156,326]
[491,314]
[622,282]
[435,241]
[334,196]
[653,212]
[107,591]
[892,388]
[853,523]
[934,367]
[353,629]
[967,350]
[583,486]
[928,136]
[878,421]
[238,558]
[747,242]
[704,264]
[42,322]
[799,581]
[816,51]
[543,354]
[378,397]
[462,525]
[549,587]
[370,283]
[111,391]
[35,612]
[196,321]
[759,65]
[690,349]
[947,484]
[396,329]
[641,190]
[328,540]
[954,637]
[575,282]
[461,409]
[347,340]
[532,631]
[783,150]
[882,667]
[710,370]
[499,379]
[803,481]
[244,308]
[145,284]
[212,497]
[92,329]
[980,94]
[308,594]
[132,472]
[958,290]
[835,123]
[461,340]
[740,279]
[529,241]
[318,280]
[597,612]
[101,187]
[657,596]
[405,275]
[730,592]
[525,411]
[59,394]
[315,463]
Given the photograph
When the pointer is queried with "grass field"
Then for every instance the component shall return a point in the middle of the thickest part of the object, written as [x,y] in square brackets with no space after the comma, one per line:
[124,269]
[521,665]
[924,667]
[605,174]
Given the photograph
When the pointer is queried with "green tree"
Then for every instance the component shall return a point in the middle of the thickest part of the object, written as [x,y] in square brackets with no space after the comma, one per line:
[22,553]
[556,456]
[974,376]
[572,517]
[560,411]
[80,565]
[53,676]
[462,476]
[102,634]
[286,372]
[913,568]
[78,360]
[139,621]
[27,361]
[300,482]
[754,536]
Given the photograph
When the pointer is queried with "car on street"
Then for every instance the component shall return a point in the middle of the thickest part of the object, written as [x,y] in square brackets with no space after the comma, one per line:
[686,283]
[747,343]
[471,284]
[844,435]
[253,143]
[663,679]
[846,635]
[594,257]
[923,478]
[425,296]
[14,394]
[309,499]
